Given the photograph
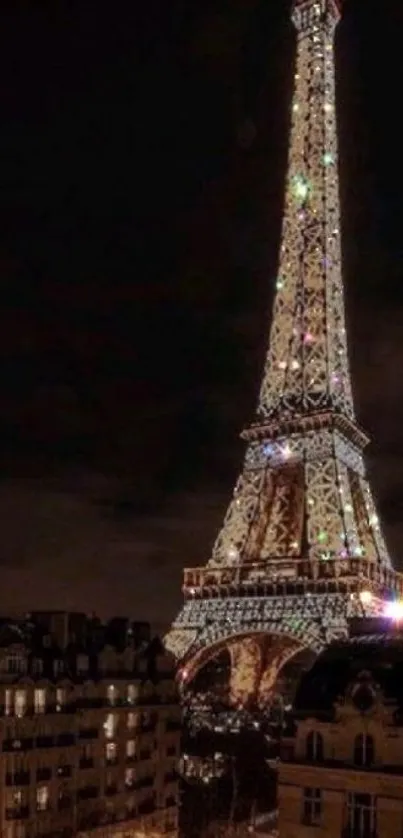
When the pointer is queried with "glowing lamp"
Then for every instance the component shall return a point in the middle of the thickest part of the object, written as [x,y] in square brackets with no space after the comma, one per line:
[366,597]
[394,610]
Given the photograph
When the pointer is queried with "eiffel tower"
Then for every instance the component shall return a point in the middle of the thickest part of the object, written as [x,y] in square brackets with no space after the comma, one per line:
[301,549]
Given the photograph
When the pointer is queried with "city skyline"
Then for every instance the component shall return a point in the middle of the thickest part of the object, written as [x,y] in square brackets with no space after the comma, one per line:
[117,502]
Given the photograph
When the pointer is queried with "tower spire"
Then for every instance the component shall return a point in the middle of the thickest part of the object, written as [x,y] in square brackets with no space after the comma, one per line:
[307,364]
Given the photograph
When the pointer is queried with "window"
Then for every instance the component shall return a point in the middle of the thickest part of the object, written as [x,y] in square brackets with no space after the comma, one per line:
[60,699]
[16,663]
[361,815]
[130,748]
[129,777]
[314,746]
[110,726]
[40,700]
[131,805]
[312,807]
[132,693]
[82,664]
[16,798]
[20,703]
[131,720]
[37,666]
[364,750]
[111,752]
[42,798]
[112,694]
[8,702]
[58,667]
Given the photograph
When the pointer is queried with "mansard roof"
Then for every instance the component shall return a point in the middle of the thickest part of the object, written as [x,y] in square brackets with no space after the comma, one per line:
[374,651]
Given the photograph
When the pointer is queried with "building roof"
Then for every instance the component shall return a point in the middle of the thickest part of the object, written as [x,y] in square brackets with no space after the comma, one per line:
[373,652]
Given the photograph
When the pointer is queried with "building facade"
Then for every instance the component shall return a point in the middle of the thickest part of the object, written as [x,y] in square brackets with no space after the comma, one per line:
[90,730]
[341,771]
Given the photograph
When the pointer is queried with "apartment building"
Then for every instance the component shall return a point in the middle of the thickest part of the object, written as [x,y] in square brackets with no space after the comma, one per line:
[341,770]
[90,729]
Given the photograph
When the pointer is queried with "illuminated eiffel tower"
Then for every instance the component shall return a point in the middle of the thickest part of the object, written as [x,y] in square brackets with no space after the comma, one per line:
[301,549]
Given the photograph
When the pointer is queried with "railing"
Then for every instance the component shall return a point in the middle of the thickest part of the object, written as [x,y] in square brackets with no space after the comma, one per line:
[21,778]
[354,832]
[290,570]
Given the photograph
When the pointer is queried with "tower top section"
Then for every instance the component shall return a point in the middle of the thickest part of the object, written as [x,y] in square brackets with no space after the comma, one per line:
[307,363]
[307,14]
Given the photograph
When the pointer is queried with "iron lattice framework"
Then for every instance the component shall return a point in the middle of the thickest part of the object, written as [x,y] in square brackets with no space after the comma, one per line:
[301,548]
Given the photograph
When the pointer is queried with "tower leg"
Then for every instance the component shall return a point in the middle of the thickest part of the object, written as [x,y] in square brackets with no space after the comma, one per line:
[275,654]
[246,664]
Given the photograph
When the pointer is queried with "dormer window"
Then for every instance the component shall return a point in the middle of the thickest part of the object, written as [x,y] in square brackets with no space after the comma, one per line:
[314,746]
[364,750]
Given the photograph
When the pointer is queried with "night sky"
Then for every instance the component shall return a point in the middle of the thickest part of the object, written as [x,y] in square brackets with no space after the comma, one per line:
[143,156]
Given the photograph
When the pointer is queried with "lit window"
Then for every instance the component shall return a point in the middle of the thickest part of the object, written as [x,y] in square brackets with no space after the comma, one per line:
[42,798]
[314,746]
[20,703]
[111,752]
[361,815]
[132,693]
[112,694]
[130,748]
[40,700]
[129,777]
[131,720]
[8,702]
[312,807]
[364,750]
[110,726]
[16,797]
[60,699]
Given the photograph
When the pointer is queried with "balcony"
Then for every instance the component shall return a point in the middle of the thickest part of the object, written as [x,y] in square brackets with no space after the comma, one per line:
[43,774]
[17,812]
[65,740]
[254,578]
[19,778]
[88,733]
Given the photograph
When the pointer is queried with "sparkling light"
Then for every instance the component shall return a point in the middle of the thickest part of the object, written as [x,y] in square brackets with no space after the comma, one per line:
[366,597]
[301,188]
[394,610]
